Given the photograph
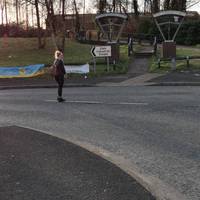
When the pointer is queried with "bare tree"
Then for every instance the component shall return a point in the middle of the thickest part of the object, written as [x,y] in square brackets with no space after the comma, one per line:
[64,25]
[77,27]
[2,11]
[17,11]
[181,5]
[32,14]
[6,11]
[40,43]
[102,6]
[114,5]
[155,6]
[135,7]
[27,18]
[35,4]
[56,24]
[166,4]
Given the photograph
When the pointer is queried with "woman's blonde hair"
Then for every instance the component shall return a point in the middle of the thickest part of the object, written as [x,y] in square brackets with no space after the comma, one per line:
[57,54]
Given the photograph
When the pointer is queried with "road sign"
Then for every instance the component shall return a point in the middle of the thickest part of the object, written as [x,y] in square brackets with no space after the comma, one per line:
[101,51]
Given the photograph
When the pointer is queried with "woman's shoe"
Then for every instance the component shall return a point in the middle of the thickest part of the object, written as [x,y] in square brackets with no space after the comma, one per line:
[60,99]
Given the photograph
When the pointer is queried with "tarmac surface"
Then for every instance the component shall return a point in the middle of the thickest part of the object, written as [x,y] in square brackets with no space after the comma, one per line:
[153,129]
[160,114]
[34,165]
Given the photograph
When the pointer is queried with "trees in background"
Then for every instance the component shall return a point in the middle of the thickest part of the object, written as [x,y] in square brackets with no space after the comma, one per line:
[4,11]
[38,14]
[56,21]
[77,24]
[175,5]
[153,5]
[24,14]
[118,6]
[181,5]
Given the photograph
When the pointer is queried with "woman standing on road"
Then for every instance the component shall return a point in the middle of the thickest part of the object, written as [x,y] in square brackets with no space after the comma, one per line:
[59,72]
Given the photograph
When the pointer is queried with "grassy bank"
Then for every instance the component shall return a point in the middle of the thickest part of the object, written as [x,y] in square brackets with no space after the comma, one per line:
[180,64]
[24,51]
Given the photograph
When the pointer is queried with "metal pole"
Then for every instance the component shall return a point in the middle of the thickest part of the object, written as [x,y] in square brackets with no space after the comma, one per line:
[160,29]
[108,64]
[121,29]
[155,45]
[94,60]
[178,29]
[173,64]
[169,30]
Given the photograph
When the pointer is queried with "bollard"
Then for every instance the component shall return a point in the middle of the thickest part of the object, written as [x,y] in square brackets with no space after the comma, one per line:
[155,45]
[173,64]
[114,65]
[130,46]
[158,62]
[188,61]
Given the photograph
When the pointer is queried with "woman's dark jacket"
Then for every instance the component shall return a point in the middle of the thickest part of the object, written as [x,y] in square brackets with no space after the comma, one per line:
[60,68]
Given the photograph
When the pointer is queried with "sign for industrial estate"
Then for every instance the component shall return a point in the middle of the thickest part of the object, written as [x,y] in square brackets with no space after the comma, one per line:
[101,51]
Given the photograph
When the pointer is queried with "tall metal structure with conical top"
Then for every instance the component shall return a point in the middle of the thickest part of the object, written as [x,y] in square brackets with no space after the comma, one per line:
[169,23]
[111,23]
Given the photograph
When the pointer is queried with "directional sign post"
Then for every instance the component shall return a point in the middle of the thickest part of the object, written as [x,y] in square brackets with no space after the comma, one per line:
[101,51]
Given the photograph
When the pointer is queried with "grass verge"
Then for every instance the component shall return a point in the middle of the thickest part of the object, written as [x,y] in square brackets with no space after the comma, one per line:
[180,64]
[24,51]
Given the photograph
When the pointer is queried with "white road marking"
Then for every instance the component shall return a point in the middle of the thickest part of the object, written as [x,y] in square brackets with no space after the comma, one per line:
[106,103]
[133,103]
[83,102]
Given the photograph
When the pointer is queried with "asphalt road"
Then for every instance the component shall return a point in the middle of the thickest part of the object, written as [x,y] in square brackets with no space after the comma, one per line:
[156,129]
[34,165]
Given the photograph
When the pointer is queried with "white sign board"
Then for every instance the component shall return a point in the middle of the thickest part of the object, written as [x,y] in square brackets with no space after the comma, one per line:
[101,51]
[81,69]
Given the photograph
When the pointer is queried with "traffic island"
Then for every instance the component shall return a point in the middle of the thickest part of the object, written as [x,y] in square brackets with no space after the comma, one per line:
[38,166]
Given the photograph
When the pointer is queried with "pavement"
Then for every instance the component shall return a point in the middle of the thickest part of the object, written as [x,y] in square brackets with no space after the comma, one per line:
[49,82]
[172,78]
[38,166]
